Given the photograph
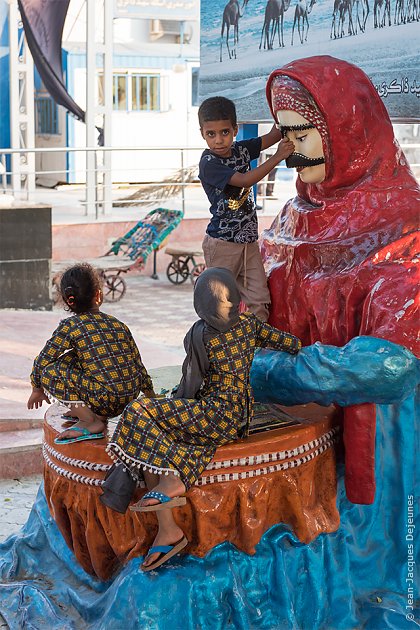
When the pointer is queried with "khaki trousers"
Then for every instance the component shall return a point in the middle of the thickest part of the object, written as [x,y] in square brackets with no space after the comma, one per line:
[244,261]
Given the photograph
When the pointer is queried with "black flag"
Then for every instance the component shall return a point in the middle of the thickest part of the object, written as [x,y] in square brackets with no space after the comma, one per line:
[43,23]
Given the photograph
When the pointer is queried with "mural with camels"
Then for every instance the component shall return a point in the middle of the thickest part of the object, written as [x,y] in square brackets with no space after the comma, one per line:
[243,40]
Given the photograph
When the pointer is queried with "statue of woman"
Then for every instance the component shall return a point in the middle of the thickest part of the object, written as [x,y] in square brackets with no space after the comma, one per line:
[340,255]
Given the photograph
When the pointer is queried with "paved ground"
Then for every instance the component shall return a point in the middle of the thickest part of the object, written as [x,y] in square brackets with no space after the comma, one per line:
[16,500]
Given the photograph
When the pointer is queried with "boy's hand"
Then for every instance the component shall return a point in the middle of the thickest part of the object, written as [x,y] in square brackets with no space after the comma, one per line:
[37,398]
[284,149]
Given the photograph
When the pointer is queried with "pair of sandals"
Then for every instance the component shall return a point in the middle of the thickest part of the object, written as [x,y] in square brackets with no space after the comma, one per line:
[165,551]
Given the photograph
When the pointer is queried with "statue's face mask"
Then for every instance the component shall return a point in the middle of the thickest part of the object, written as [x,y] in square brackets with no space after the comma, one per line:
[308,156]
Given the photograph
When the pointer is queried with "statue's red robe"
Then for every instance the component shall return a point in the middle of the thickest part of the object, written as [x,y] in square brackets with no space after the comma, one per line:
[341,255]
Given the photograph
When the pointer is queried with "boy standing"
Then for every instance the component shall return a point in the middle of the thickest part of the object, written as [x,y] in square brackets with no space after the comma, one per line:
[231,239]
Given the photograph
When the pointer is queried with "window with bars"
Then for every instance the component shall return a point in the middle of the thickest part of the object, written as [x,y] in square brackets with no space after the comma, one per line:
[119,92]
[145,92]
[134,92]
[46,116]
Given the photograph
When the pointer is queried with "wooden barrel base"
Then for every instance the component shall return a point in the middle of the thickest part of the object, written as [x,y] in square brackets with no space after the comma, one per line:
[285,475]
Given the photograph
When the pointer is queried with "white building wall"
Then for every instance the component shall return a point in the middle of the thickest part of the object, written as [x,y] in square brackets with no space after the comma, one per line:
[176,126]
[51,167]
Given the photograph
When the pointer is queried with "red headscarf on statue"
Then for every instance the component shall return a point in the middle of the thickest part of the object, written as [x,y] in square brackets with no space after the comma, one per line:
[340,255]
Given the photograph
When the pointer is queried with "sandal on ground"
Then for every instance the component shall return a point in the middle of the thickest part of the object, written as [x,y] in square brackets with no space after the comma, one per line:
[86,435]
[164,502]
[165,552]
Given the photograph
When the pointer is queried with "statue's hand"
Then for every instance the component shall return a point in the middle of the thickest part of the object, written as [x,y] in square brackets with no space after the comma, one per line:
[367,369]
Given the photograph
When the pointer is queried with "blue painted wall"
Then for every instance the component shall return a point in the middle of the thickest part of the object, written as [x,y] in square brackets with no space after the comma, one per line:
[245,132]
[4,75]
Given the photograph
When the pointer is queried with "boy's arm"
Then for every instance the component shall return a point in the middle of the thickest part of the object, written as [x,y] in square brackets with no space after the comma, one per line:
[246,180]
[270,138]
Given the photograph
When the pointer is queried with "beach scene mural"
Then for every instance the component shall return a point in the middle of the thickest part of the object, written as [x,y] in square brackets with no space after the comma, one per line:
[242,41]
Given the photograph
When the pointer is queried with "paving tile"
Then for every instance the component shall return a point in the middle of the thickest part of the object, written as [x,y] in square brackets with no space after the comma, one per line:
[16,501]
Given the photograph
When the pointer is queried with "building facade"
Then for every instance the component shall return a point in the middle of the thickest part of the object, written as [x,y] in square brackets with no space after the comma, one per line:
[155,91]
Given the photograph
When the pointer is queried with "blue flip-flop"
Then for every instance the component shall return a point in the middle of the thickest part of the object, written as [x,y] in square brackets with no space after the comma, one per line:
[165,502]
[86,435]
[166,552]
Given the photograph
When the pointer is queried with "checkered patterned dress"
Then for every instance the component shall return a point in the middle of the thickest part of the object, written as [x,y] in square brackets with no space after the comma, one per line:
[91,359]
[180,435]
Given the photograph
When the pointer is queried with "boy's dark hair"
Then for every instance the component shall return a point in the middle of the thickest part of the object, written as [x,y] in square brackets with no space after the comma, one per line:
[78,286]
[217,108]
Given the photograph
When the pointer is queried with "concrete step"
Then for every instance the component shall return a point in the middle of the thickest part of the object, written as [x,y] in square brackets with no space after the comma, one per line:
[16,424]
[20,448]
[21,439]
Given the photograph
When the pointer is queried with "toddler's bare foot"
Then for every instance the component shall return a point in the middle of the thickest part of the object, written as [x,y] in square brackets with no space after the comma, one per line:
[95,426]
[69,423]
[101,418]
[69,414]
[70,418]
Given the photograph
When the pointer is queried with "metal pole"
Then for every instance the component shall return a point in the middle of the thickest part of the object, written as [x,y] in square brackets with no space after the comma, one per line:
[154,274]
[183,182]
[108,105]
[90,107]
[21,82]
[3,172]
[95,157]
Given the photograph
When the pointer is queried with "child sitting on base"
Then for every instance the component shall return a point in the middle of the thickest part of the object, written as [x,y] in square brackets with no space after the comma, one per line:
[231,240]
[91,363]
[170,441]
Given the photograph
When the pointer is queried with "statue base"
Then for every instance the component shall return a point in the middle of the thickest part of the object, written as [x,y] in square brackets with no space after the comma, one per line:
[284,472]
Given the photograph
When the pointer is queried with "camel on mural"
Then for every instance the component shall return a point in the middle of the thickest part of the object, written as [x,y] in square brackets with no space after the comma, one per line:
[302,10]
[274,14]
[364,6]
[399,15]
[231,15]
[378,21]
[413,11]
[348,10]
[351,9]
[338,17]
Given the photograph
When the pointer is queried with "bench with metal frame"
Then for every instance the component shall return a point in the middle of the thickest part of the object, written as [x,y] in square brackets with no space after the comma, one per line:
[129,252]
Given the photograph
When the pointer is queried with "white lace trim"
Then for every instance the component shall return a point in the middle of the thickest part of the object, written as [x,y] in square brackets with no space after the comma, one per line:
[77,463]
[65,403]
[88,481]
[246,474]
[324,443]
[135,463]
[253,460]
